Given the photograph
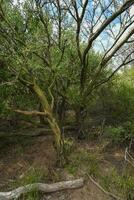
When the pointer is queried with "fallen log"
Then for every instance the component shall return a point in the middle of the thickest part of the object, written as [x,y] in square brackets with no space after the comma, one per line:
[46,188]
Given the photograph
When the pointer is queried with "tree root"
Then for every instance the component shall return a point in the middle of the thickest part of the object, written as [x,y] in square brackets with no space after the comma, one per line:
[47,188]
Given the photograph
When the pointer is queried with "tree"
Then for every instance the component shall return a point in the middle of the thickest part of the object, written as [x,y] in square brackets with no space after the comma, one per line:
[46,43]
[95,21]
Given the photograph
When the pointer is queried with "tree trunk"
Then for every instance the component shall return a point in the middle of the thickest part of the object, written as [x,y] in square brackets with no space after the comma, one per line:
[41,117]
[59,142]
[80,118]
[61,111]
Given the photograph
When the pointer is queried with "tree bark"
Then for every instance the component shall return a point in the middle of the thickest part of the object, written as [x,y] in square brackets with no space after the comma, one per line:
[47,188]
[61,111]
[80,118]
[53,123]
[42,118]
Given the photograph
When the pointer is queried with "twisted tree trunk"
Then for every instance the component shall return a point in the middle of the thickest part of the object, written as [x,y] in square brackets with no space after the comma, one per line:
[53,123]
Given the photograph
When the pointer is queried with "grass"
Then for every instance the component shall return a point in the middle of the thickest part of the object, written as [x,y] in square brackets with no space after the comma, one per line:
[121,184]
[83,161]
[33,175]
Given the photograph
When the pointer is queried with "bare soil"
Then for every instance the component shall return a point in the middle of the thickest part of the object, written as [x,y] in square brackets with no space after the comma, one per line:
[19,153]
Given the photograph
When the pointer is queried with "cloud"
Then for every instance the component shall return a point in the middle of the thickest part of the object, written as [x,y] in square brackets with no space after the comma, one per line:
[15,2]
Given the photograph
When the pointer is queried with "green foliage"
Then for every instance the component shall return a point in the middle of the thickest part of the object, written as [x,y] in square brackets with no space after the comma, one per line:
[129,129]
[120,133]
[33,175]
[114,103]
[119,108]
[115,133]
[68,145]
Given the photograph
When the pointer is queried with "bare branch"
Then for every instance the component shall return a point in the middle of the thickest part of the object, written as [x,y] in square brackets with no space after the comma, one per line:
[124,7]
[33,113]
[128,157]
[121,41]
[94,84]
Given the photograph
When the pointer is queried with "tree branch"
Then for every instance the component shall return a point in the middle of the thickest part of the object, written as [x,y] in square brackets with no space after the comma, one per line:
[124,7]
[122,40]
[34,112]
[103,190]
[125,62]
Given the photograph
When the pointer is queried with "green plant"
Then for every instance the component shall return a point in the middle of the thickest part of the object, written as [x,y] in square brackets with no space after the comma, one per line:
[129,129]
[122,184]
[83,161]
[106,181]
[115,133]
[68,145]
[33,175]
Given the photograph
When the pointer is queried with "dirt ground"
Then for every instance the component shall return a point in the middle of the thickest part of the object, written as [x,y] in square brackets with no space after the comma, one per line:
[19,153]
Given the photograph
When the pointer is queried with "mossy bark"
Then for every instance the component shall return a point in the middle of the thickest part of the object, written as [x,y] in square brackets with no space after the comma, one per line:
[41,118]
[80,121]
[53,123]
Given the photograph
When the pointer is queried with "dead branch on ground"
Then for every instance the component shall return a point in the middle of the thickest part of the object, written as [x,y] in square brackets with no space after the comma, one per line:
[42,187]
[103,190]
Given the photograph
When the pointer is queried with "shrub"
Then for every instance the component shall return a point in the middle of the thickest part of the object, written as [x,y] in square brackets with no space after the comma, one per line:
[115,133]
[129,129]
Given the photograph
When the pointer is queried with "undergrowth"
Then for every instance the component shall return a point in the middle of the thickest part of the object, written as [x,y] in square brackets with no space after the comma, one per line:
[33,175]
[84,162]
[122,184]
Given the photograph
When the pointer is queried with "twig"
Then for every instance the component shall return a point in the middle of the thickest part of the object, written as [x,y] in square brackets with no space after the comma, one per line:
[103,190]
[127,154]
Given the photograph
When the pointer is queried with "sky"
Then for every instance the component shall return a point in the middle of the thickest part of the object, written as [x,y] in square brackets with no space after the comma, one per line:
[103,38]
[108,41]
